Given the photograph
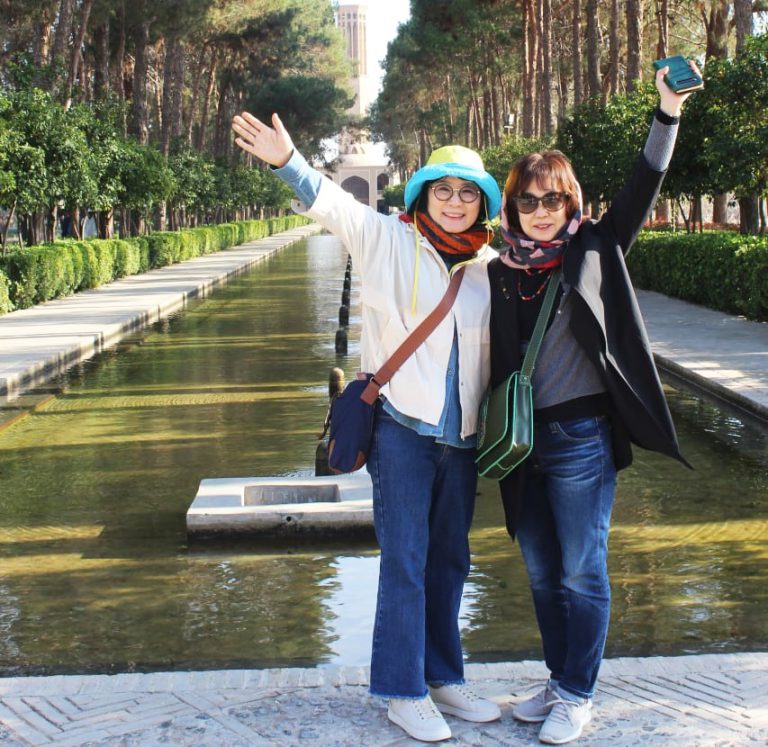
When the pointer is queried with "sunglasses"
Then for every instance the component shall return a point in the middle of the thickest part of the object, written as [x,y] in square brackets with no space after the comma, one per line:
[552,202]
[445,192]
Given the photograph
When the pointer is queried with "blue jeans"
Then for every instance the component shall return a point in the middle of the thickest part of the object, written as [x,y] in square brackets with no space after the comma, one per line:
[423,501]
[563,534]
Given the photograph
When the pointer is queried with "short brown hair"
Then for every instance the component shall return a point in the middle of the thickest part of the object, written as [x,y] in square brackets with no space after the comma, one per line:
[543,167]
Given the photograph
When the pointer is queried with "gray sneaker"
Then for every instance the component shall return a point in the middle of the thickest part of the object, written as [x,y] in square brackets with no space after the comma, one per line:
[536,709]
[566,721]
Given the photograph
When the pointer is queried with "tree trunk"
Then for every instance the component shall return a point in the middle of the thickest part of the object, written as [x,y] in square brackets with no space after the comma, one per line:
[497,109]
[475,112]
[662,15]
[578,85]
[165,117]
[77,51]
[74,222]
[538,125]
[742,10]
[177,101]
[529,69]
[662,211]
[562,88]
[42,43]
[487,119]
[593,50]
[634,43]
[615,47]
[139,126]
[749,212]
[101,61]
[171,44]
[189,116]
[717,30]
[720,209]
[546,67]
[63,32]
[118,74]
[221,137]
[4,230]
[106,224]
[451,101]
[51,221]
[203,126]
[157,68]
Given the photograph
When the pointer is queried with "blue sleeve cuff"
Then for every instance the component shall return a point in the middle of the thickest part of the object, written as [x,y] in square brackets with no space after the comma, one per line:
[301,178]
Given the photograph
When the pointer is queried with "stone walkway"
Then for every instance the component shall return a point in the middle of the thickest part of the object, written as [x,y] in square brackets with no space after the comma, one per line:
[38,343]
[681,701]
[726,355]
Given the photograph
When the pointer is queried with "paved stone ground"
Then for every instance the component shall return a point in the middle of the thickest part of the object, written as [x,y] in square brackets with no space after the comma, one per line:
[689,701]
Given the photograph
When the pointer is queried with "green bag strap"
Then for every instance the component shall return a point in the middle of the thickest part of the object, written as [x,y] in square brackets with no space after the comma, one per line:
[541,324]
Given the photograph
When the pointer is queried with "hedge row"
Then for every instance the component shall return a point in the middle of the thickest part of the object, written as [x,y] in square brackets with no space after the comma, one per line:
[724,271]
[40,273]
[5,300]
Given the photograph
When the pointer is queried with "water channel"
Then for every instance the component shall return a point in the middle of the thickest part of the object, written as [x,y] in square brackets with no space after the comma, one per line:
[96,574]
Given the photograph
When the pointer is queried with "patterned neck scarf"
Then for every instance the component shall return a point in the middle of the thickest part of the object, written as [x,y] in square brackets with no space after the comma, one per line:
[524,253]
[467,242]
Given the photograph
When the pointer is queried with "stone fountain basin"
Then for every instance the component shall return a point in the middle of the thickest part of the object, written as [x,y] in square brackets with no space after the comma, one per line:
[279,506]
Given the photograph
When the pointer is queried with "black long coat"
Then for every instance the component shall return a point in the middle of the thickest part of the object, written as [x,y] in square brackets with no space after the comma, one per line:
[605,321]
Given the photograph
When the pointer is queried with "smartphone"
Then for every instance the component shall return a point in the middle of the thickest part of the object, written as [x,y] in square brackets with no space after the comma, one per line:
[681,77]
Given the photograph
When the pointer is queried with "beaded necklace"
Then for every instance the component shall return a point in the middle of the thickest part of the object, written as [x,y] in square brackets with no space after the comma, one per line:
[546,272]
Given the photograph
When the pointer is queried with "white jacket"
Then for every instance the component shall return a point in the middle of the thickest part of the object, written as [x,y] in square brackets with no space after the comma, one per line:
[383,254]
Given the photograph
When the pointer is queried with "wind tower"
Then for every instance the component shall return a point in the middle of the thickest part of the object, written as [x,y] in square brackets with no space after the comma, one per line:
[352,22]
[362,171]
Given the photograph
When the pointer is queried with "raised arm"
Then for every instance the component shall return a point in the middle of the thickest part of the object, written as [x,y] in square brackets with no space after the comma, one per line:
[629,209]
[357,225]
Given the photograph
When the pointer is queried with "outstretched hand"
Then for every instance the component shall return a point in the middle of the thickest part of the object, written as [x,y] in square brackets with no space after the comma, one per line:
[270,144]
[671,103]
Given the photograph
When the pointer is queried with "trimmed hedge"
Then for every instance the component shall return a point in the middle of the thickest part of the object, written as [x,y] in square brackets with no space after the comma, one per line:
[5,300]
[724,271]
[41,273]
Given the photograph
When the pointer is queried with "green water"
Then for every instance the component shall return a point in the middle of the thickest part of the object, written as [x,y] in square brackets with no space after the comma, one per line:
[96,573]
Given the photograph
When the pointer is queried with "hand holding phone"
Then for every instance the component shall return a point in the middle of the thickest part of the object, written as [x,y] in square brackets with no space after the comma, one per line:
[681,77]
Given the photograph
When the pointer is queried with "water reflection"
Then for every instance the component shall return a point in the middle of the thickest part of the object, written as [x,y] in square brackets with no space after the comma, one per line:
[97,574]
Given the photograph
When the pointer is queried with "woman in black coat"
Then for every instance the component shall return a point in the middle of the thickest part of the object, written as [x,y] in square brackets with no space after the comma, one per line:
[596,391]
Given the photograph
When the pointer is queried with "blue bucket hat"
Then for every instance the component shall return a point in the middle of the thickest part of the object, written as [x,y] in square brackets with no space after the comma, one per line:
[458,161]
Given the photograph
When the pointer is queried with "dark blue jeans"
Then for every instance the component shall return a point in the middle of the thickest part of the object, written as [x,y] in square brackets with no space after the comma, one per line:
[563,534]
[423,501]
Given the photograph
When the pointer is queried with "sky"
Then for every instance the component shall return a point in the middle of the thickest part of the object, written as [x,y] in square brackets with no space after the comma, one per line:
[384,16]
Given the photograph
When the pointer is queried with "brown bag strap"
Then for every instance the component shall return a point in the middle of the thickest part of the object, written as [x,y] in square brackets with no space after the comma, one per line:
[409,345]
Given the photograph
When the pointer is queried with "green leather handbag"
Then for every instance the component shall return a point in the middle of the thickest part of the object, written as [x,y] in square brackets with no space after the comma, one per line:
[505,430]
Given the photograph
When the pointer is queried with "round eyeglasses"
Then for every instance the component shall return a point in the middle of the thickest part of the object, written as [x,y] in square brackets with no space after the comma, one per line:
[445,192]
[552,202]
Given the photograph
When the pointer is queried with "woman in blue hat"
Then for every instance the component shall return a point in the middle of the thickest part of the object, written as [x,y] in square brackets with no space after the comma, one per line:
[422,455]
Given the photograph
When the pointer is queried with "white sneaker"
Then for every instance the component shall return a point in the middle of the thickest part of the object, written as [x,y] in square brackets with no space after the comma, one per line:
[537,708]
[462,701]
[419,719]
[566,721]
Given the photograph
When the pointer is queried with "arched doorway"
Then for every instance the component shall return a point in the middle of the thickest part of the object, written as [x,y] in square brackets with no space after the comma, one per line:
[357,187]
